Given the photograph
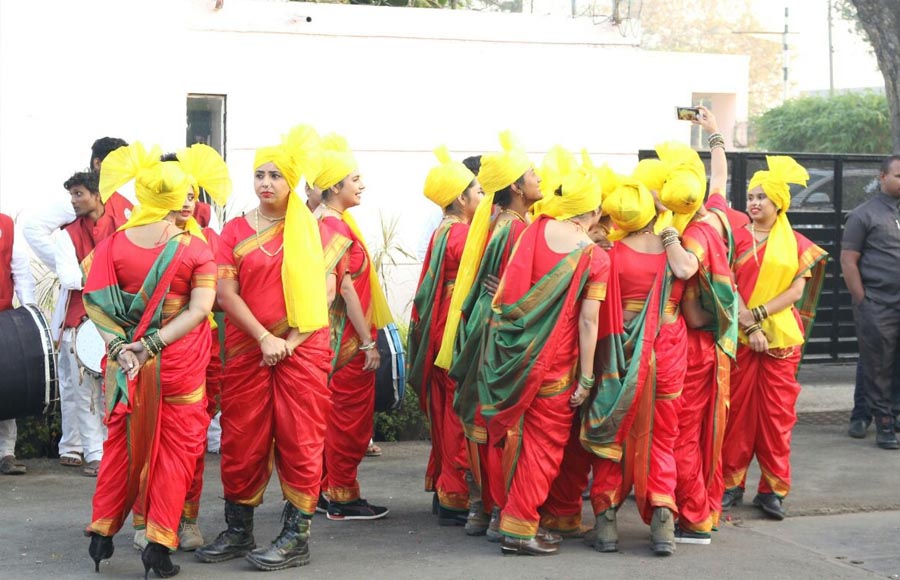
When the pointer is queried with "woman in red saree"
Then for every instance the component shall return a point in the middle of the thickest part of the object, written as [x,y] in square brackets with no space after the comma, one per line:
[538,364]
[273,289]
[454,188]
[359,309]
[149,290]
[779,274]
[703,255]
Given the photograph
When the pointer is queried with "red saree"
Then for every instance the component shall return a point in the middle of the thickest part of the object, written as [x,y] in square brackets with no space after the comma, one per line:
[351,419]
[447,462]
[704,399]
[530,366]
[286,404]
[764,388]
[157,422]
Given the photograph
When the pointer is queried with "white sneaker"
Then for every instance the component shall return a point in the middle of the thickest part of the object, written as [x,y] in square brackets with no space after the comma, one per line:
[189,536]
[140,540]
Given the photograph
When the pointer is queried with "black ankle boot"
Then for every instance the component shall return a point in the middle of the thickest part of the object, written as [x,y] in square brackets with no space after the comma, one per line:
[234,542]
[885,437]
[101,548]
[156,556]
[290,548]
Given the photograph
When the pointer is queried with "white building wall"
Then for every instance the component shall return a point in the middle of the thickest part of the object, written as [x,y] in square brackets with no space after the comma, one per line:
[396,82]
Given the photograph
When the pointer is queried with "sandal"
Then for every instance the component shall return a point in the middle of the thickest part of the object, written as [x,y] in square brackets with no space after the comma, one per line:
[92,468]
[73,459]
[373,450]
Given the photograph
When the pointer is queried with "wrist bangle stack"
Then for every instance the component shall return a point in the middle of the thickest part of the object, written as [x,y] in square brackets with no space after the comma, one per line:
[263,336]
[753,329]
[669,237]
[153,344]
[115,347]
[716,140]
[370,346]
[586,382]
[759,313]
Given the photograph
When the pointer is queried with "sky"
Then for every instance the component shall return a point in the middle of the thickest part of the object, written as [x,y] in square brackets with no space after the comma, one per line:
[854,64]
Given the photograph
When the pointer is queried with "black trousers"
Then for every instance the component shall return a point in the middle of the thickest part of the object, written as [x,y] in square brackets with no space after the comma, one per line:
[878,335]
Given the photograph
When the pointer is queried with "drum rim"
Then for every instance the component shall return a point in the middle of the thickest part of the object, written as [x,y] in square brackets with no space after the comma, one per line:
[48,348]
[99,372]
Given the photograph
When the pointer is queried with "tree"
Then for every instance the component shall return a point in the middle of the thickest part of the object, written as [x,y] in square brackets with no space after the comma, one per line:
[718,26]
[847,123]
[880,19]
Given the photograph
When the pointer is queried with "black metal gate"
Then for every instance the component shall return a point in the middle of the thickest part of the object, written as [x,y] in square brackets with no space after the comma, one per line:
[837,184]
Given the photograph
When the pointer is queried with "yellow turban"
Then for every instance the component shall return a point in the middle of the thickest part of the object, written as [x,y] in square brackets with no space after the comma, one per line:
[631,207]
[448,180]
[305,147]
[500,170]
[557,163]
[303,266]
[679,178]
[337,161]
[780,262]
[774,182]
[160,187]
[205,168]
[581,193]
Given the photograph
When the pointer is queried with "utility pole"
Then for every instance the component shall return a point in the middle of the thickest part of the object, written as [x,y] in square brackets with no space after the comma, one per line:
[830,54]
[784,43]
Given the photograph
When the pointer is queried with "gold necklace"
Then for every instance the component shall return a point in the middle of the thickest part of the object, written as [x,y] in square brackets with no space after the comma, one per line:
[260,246]
[515,214]
[260,213]
[640,232]
[753,237]
[334,209]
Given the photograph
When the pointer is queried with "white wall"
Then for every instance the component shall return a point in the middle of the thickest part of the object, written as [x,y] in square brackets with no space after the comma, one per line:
[396,82]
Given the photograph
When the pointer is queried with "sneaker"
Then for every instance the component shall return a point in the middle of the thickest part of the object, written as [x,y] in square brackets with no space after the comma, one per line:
[885,437]
[355,510]
[140,540]
[189,536]
[322,504]
[683,536]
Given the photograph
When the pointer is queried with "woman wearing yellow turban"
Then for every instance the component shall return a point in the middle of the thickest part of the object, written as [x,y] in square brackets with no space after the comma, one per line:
[454,188]
[272,287]
[538,362]
[711,300]
[149,289]
[779,274]
[513,187]
[359,309]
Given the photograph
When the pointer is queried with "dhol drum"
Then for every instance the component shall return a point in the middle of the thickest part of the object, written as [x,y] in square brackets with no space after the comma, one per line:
[28,381]
[390,378]
[89,348]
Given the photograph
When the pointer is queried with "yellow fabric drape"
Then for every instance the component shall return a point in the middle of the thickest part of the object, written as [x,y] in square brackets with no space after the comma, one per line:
[381,313]
[303,267]
[205,169]
[679,179]
[498,170]
[780,262]
[581,193]
[448,180]
[160,187]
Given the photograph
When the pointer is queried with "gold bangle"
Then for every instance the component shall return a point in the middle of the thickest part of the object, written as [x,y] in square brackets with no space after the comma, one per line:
[263,336]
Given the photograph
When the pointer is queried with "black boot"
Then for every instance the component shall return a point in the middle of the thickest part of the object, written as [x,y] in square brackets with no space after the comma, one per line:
[884,434]
[234,542]
[101,548]
[290,548]
[156,557]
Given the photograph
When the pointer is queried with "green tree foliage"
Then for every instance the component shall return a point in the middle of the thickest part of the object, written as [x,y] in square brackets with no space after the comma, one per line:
[847,123]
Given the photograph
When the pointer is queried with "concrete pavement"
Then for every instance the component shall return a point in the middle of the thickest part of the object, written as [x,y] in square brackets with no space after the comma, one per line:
[844,517]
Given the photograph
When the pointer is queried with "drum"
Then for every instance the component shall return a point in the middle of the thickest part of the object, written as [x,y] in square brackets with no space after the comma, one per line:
[28,382]
[89,348]
[390,378]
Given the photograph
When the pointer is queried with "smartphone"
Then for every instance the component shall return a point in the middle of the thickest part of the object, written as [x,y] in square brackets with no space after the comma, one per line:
[687,113]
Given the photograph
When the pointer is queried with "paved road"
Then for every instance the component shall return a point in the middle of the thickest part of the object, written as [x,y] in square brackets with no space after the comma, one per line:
[42,514]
